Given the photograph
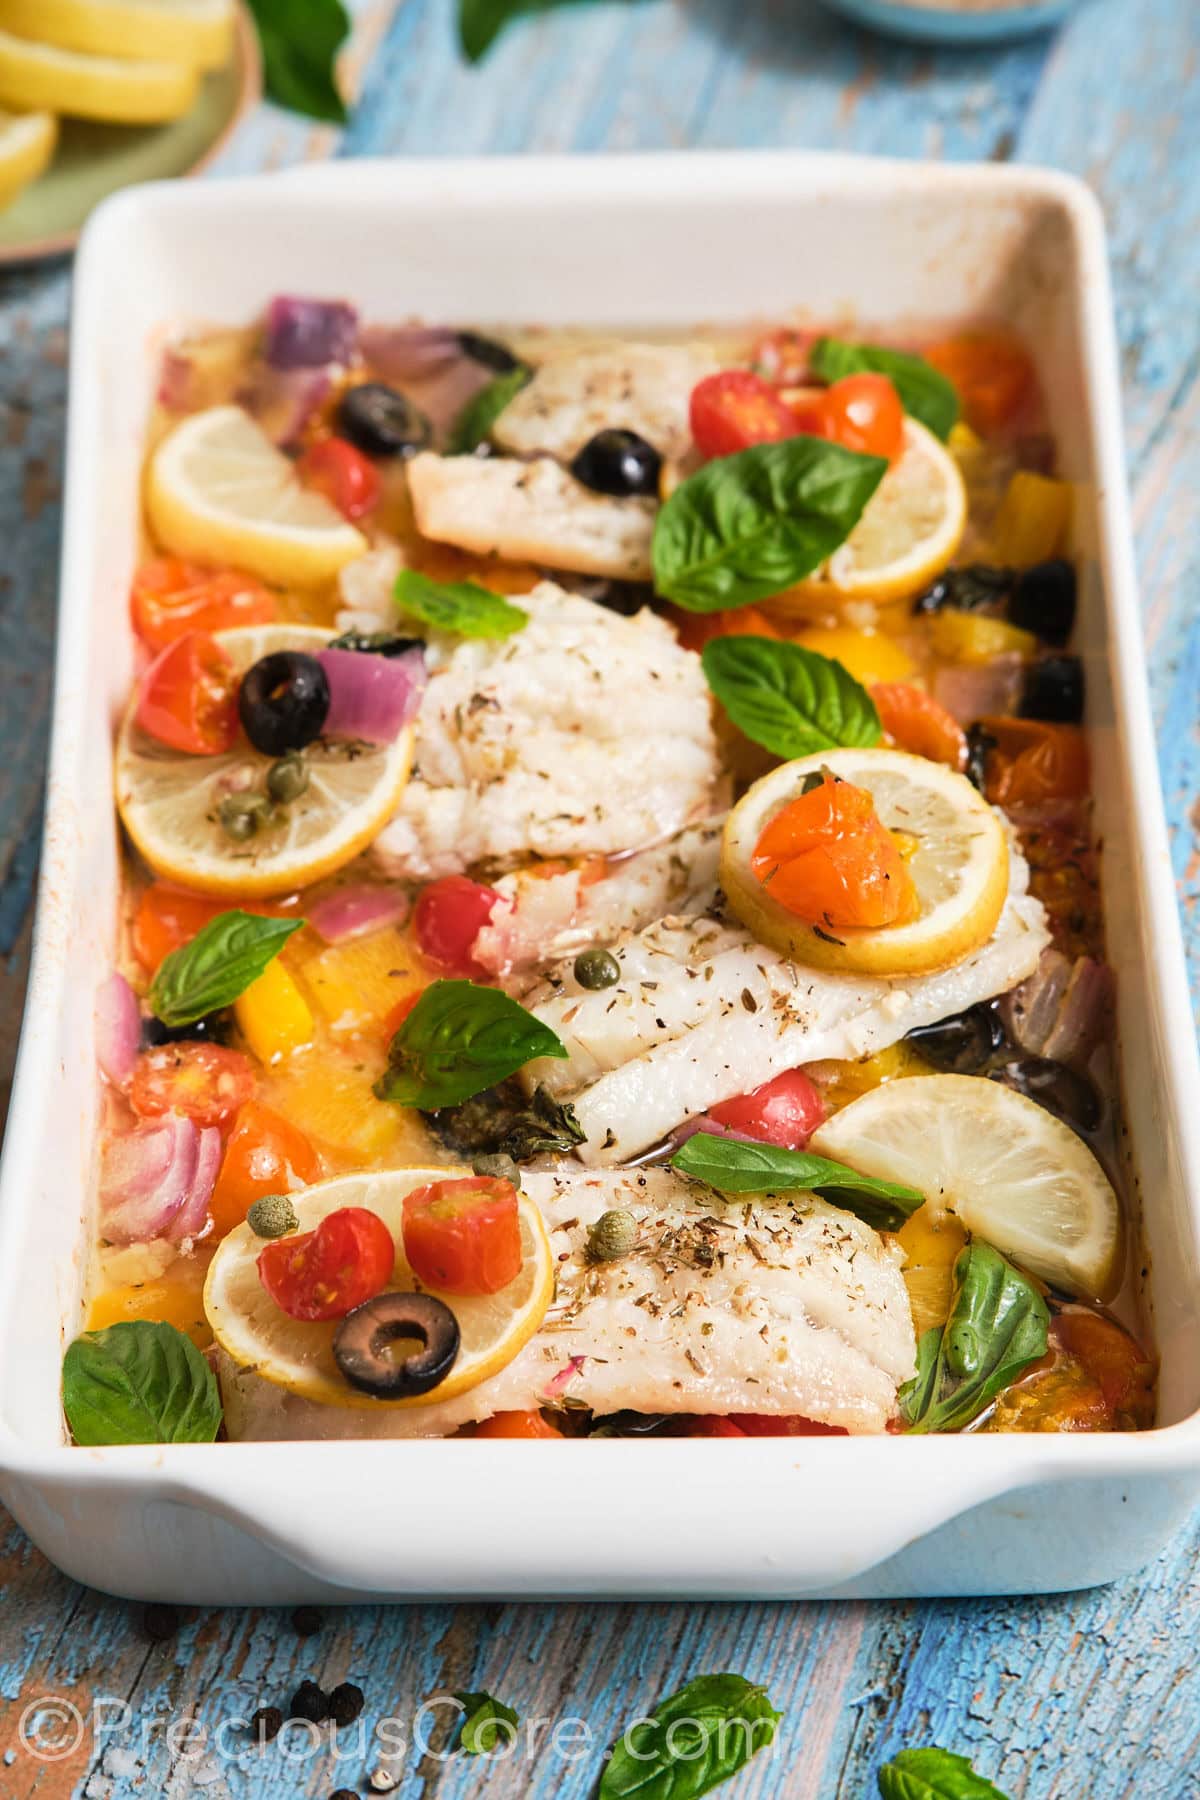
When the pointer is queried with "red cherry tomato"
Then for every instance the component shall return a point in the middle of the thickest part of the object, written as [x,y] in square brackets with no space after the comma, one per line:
[343,474]
[187,697]
[782,356]
[785,1111]
[448,918]
[170,596]
[326,1273]
[783,1425]
[205,1081]
[863,412]
[516,1425]
[464,1236]
[734,409]
[265,1154]
[708,1425]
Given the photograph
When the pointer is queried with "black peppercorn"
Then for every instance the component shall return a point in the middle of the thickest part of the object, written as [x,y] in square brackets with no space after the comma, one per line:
[345,1703]
[266,1724]
[309,1702]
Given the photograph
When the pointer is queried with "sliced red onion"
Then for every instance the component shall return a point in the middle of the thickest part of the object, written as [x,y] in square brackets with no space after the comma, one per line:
[284,400]
[1060,1011]
[409,352]
[175,381]
[557,1384]
[971,693]
[372,697]
[189,1220]
[147,1177]
[702,1122]
[352,912]
[305,334]
[118,1028]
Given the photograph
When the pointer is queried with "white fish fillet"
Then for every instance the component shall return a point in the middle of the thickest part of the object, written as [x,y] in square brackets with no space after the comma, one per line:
[530,512]
[771,1306]
[630,387]
[582,732]
[704,1012]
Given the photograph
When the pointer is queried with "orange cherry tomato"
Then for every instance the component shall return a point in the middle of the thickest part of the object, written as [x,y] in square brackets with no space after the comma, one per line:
[188,696]
[167,917]
[265,1154]
[734,409]
[170,597]
[993,373]
[516,1425]
[827,858]
[326,1273]
[205,1081]
[463,1236]
[863,412]
[343,474]
[395,1016]
[1114,1360]
[916,722]
[1033,762]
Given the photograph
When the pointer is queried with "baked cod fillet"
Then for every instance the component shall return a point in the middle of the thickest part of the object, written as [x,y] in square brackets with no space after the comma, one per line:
[644,388]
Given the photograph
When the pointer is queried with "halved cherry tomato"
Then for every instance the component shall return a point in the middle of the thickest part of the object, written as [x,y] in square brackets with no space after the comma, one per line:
[783,1425]
[829,860]
[707,1425]
[463,1236]
[170,597]
[784,1111]
[1032,762]
[1114,1360]
[167,917]
[265,1154]
[864,413]
[205,1081]
[697,629]
[343,474]
[734,409]
[782,356]
[395,1016]
[516,1425]
[916,722]
[993,373]
[326,1273]
[187,697]
[447,919]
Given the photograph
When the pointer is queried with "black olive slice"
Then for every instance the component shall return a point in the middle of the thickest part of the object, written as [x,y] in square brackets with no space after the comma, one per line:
[1044,600]
[962,1044]
[360,1345]
[1070,1096]
[1054,690]
[488,352]
[283,702]
[381,421]
[618,462]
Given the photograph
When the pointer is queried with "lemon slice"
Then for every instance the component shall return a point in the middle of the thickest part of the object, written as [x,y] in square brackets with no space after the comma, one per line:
[113,89]
[1009,1170]
[197,32]
[298,1356]
[217,489]
[954,846]
[26,146]
[168,800]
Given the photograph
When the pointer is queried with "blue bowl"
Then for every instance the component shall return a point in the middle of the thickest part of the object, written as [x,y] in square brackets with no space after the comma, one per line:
[934,25]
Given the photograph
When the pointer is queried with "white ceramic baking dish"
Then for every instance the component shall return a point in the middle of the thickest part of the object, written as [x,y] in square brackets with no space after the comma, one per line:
[606,242]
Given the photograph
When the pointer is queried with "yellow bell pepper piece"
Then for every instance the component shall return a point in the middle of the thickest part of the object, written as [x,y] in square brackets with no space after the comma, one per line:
[964,637]
[870,656]
[355,985]
[1032,520]
[273,1015]
[931,1242]
[842,1082]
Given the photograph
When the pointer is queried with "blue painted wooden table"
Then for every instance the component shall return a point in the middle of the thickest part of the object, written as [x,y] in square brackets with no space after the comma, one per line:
[1095,1694]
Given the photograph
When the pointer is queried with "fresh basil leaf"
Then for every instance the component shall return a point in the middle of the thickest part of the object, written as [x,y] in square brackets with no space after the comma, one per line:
[924,391]
[691,1742]
[459,1039]
[933,1774]
[217,966]
[747,526]
[998,1326]
[483,1726]
[463,607]
[734,1167]
[791,700]
[476,421]
[300,40]
[140,1382]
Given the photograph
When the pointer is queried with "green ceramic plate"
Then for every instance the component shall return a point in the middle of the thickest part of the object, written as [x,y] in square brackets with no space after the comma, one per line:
[92,160]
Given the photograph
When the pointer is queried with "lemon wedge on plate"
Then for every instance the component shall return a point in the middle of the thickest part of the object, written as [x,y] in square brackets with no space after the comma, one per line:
[1010,1171]
[217,489]
[954,847]
[27,143]
[196,32]
[113,89]
[168,800]
[259,1336]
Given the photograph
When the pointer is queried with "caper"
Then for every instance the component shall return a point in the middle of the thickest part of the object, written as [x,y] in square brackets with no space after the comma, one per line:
[597,969]
[499,1167]
[273,1216]
[612,1236]
[241,815]
[287,778]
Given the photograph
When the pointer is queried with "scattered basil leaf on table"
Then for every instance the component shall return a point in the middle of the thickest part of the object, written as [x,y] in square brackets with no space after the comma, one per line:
[734,1167]
[300,40]
[463,607]
[459,1039]
[476,421]
[791,700]
[933,1774]
[745,527]
[140,1382]
[217,966]
[691,1742]
[924,391]
[484,1724]
[997,1327]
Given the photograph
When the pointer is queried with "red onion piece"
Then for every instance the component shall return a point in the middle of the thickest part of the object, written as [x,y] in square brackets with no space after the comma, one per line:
[409,352]
[118,1029]
[304,334]
[371,697]
[284,400]
[702,1122]
[147,1177]
[971,693]
[558,1383]
[189,1220]
[1061,1010]
[352,912]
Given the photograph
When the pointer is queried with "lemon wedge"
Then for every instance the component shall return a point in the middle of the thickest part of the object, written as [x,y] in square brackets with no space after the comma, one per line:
[1010,1171]
[298,1356]
[26,145]
[217,489]
[196,32]
[955,850]
[168,800]
[116,90]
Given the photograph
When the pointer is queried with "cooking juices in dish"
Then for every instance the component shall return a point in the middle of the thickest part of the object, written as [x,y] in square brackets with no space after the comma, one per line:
[612,940]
